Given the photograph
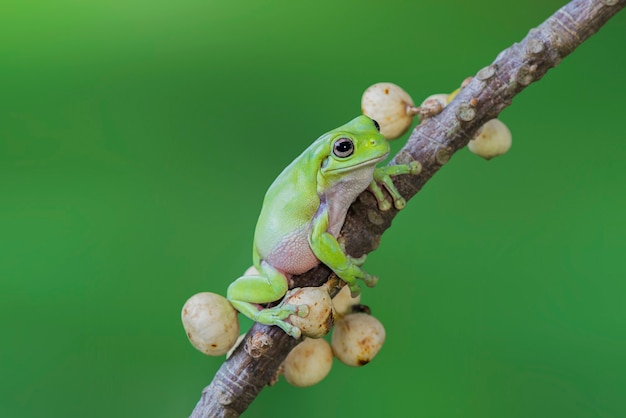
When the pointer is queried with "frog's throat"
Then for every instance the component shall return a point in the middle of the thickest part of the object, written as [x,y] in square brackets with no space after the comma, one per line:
[361,164]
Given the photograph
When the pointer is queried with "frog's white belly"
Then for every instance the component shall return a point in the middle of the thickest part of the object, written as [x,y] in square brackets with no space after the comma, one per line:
[293,253]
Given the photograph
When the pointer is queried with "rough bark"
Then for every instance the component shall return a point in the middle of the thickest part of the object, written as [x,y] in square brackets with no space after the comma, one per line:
[255,362]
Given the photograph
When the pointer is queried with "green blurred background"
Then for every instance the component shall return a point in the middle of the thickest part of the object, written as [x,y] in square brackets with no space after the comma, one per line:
[137,139]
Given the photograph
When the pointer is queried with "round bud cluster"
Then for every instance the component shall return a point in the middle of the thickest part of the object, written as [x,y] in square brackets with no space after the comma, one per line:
[356,339]
[393,109]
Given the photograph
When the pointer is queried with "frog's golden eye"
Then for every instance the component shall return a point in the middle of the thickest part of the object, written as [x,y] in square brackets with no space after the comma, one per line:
[376,125]
[343,147]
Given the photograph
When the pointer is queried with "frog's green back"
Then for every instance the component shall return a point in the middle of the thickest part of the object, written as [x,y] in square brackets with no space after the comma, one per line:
[291,201]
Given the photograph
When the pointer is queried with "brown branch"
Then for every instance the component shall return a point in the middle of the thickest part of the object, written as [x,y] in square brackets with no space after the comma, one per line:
[255,362]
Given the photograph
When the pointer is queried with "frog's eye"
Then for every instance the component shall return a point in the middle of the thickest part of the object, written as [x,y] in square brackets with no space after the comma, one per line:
[343,147]
[376,125]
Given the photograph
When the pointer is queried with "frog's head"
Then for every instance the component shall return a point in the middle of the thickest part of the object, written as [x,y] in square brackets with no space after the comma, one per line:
[357,143]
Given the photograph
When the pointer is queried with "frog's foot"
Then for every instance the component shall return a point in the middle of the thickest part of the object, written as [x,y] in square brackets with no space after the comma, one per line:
[277,315]
[353,276]
[300,310]
[355,288]
[414,168]
[382,176]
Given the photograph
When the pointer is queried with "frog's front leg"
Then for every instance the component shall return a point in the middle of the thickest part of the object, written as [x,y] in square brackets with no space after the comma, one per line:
[328,250]
[248,292]
[382,176]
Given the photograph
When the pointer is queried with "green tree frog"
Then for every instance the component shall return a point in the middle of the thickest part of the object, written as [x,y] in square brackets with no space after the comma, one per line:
[302,215]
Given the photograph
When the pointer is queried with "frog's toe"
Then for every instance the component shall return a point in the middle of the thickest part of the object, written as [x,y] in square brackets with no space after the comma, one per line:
[289,329]
[294,332]
[273,316]
[370,281]
[384,205]
[355,290]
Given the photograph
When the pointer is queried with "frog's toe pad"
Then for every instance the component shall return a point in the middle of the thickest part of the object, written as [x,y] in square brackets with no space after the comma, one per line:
[399,203]
[415,167]
[384,205]
[371,281]
[294,332]
[302,310]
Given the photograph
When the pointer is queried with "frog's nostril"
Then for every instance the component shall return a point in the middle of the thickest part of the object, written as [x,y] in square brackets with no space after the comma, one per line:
[372,142]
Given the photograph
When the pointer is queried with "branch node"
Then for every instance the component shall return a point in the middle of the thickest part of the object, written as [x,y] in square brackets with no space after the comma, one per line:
[223,397]
[535,46]
[443,155]
[258,344]
[526,74]
[374,217]
[486,73]
[465,112]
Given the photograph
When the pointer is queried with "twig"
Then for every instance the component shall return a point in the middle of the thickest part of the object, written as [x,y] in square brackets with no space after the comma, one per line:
[255,362]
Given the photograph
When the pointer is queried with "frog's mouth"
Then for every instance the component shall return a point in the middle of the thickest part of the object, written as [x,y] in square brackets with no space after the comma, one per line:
[365,163]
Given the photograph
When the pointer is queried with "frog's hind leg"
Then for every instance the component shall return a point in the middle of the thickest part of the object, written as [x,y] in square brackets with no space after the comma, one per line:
[248,292]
